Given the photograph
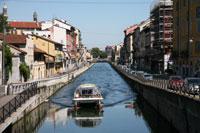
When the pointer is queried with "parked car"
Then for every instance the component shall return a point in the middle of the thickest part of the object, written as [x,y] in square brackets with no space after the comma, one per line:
[147,76]
[175,82]
[197,74]
[133,72]
[139,73]
[192,85]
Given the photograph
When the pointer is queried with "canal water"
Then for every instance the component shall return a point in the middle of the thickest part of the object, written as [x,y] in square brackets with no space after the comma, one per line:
[124,111]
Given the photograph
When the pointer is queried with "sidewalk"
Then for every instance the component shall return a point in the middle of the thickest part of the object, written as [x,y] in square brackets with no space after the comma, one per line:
[5,99]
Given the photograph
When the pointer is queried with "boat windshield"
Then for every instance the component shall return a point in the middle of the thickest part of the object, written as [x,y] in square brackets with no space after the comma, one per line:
[87,92]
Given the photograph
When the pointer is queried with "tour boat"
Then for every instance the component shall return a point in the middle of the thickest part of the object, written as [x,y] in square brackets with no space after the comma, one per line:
[89,95]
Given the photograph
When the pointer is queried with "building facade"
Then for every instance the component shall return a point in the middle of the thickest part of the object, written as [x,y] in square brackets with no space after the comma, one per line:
[141,45]
[128,49]
[161,27]
[54,56]
[186,53]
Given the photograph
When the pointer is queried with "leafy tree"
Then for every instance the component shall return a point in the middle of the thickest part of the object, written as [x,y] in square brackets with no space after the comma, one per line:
[103,54]
[8,62]
[24,71]
[95,52]
[4,22]
[8,54]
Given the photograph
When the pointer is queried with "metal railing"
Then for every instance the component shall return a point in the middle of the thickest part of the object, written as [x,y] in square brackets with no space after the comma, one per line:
[179,88]
[10,107]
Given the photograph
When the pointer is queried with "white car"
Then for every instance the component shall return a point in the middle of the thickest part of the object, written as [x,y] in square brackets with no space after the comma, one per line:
[133,72]
[192,85]
[147,76]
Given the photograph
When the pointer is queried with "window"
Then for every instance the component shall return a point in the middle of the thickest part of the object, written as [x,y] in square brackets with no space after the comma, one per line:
[197,47]
[198,25]
[198,12]
[177,6]
[184,2]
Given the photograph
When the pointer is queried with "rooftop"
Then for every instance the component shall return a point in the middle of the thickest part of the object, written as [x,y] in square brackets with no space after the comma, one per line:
[14,39]
[87,85]
[130,29]
[24,25]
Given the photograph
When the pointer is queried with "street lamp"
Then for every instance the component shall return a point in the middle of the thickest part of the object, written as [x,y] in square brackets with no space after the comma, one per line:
[191,41]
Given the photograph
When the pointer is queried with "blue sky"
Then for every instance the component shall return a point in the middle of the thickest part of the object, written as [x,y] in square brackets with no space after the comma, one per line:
[101,21]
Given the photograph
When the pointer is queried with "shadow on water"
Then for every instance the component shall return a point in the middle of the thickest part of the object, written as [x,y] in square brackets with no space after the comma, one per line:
[155,122]
[123,108]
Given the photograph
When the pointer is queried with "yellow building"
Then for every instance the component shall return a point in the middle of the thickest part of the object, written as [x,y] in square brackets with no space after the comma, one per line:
[186,41]
[53,54]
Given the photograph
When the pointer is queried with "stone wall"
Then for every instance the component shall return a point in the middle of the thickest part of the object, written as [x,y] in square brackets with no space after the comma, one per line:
[183,112]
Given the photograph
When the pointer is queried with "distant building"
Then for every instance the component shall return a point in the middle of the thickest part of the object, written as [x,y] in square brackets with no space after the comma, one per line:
[117,50]
[186,53]
[161,17]
[142,45]
[109,50]
[127,50]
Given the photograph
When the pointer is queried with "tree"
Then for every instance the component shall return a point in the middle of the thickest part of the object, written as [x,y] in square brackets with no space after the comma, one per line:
[8,54]
[8,62]
[4,22]
[103,55]
[95,52]
[24,71]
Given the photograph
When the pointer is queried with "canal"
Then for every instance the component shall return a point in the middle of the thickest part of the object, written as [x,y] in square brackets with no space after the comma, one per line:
[124,111]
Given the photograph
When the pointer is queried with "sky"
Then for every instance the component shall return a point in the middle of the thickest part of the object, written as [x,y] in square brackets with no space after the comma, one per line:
[101,22]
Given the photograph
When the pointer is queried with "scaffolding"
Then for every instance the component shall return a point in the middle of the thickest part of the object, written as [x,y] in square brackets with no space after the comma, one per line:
[157,3]
[161,30]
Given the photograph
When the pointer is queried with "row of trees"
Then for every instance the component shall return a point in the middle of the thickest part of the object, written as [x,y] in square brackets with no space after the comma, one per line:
[97,53]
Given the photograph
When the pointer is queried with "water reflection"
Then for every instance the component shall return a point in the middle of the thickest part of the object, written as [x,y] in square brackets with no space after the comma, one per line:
[87,117]
[154,121]
[57,115]
[32,121]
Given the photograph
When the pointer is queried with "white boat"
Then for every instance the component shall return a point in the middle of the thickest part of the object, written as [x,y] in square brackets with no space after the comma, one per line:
[87,94]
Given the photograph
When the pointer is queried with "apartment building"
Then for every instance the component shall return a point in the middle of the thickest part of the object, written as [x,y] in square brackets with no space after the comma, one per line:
[161,29]
[186,43]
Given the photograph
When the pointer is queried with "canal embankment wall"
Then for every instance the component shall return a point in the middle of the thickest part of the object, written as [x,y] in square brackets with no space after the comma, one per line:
[45,89]
[182,111]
